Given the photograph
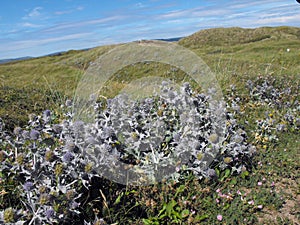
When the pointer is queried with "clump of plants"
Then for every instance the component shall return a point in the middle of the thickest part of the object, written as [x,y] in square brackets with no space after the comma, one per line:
[175,128]
[273,92]
[58,170]
[281,99]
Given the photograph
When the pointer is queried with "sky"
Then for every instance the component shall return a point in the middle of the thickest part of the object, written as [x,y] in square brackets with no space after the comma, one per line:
[40,27]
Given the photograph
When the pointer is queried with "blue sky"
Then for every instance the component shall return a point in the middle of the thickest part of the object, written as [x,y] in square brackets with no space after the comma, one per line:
[39,27]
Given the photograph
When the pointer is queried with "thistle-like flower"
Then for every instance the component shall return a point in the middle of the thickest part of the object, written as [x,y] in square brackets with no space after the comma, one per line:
[58,169]
[211,173]
[49,213]
[68,157]
[17,131]
[26,134]
[213,138]
[44,199]
[68,103]
[47,115]
[28,186]
[49,155]
[34,134]
[8,215]
[74,205]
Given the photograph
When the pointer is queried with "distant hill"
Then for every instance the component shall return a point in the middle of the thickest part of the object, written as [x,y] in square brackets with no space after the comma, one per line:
[236,35]
[16,59]
[64,52]
[170,39]
[2,61]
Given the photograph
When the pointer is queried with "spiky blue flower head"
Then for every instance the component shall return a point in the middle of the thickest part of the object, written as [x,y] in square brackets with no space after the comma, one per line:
[47,113]
[18,131]
[280,127]
[237,139]
[176,137]
[68,103]
[26,134]
[28,186]
[74,205]
[171,95]
[107,147]
[70,145]
[249,84]
[211,173]
[107,132]
[68,157]
[34,134]
[49,213]
[78,127]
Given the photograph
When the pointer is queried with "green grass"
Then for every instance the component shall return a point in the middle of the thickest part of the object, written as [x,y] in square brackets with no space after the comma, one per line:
[235,55]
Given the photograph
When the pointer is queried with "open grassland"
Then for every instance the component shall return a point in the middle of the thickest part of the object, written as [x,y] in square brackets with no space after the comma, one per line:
[230,53]
[269,109]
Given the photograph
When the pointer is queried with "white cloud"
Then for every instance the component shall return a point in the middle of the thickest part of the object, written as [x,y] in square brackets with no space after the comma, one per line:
[30,25]
[278,20]
[194,13]
[25,44]
[139,5]
[210,12]
[173,14]
[63,12]
[36,12]
[237,4]
[83,24]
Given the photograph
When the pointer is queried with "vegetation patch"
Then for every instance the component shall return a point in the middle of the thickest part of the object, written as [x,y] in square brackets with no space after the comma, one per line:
[254,180]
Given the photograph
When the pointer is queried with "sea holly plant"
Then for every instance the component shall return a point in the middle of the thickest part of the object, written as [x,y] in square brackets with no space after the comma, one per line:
[52,172]
[283,112]
[49,172]
[164,125]
[269,91]
[156,134]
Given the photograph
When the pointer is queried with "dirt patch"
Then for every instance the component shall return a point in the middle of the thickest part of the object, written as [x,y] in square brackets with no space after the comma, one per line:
[291,208]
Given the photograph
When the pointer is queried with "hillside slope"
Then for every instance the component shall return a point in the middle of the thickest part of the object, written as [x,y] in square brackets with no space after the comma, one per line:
[237,35]
[241,51]
[35,84]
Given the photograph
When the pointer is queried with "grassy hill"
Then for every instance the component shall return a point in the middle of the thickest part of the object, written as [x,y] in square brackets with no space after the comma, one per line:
[248,50]
[31,85]
[237,35]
